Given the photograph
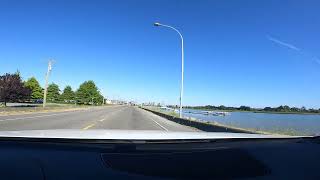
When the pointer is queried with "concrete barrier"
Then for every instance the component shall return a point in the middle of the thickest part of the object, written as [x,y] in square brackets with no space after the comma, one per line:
[208,127]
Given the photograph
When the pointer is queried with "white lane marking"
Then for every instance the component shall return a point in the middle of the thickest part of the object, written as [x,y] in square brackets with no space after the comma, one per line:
[159,124]
[101,120]
[152,119]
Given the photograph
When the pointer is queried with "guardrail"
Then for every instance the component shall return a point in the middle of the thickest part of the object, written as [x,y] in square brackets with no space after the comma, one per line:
[204,126]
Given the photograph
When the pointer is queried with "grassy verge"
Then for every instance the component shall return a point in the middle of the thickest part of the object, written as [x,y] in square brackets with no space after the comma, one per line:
[51,107]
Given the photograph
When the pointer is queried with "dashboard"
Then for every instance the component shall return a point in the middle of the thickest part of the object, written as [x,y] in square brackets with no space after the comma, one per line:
[41,158]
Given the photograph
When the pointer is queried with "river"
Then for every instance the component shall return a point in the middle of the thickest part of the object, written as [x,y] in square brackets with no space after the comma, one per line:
[293,124]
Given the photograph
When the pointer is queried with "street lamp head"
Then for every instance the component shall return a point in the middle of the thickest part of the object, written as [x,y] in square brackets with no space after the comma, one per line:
[156,24]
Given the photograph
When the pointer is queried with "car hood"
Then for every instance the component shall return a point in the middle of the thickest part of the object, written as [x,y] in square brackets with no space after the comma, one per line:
[131,134]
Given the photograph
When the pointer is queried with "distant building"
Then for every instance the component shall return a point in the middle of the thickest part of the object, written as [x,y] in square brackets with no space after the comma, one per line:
[119,102]
[108,101]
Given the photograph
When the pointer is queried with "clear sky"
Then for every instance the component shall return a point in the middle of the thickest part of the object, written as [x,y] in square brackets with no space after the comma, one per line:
[256,53]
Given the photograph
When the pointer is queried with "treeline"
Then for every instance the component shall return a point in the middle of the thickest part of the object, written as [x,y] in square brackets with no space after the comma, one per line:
[283,108]
[14,89]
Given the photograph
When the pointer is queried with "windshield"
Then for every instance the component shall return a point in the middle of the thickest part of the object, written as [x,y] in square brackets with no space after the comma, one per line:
[247,67]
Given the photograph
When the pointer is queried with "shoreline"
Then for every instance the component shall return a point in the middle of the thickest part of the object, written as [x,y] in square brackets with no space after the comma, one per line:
[266,112]
[206,126]
[194,122]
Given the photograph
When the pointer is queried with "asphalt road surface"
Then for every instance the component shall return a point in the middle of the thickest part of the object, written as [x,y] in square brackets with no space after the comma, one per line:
[110,117]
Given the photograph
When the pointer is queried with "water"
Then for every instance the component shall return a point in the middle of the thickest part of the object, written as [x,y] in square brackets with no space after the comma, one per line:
[293,124]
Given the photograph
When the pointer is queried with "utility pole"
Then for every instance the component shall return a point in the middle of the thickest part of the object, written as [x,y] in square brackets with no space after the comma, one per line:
[46,85]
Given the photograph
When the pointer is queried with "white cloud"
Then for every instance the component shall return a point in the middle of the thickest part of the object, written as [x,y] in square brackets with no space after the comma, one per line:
[290,46]
[277,41]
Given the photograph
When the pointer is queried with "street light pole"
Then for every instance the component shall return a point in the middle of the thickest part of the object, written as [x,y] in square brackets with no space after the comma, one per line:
[182,63]
[46,85]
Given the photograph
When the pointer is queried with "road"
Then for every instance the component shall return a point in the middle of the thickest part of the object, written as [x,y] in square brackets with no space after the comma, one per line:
[110,117]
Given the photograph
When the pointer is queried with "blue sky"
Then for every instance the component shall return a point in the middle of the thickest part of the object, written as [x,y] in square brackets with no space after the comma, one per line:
[257,53]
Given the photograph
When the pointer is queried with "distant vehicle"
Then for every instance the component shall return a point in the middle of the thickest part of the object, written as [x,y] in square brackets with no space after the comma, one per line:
[214,113]
[38,101]
[220,113]
[70,101]
[166,108]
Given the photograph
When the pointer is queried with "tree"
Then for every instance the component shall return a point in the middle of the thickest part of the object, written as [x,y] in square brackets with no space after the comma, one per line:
[295,109]
[244,108]
[268,109]
[12,88]
[53,93]
[68,94]
[88,93]
[286,108]
[313,110]
[280,108]
[35,87]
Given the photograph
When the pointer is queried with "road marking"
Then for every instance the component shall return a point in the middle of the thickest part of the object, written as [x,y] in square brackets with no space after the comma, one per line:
[154,120]
[87,127]
[159,124]
[36,116]
[109,114]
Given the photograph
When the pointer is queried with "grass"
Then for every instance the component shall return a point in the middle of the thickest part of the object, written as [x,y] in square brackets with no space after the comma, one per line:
[50,107]
[172,113]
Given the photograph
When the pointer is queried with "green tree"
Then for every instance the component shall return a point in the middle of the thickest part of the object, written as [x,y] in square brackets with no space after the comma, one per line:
[286,108]
[88,93]
[280,108]
[12,88]
[53,93]
[35,87]
[67,94]
[313,110]
[295,109]
[244,108]
[268,109]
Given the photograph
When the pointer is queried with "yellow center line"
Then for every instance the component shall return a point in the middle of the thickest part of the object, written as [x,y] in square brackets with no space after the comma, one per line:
[87,127]
[103,118]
